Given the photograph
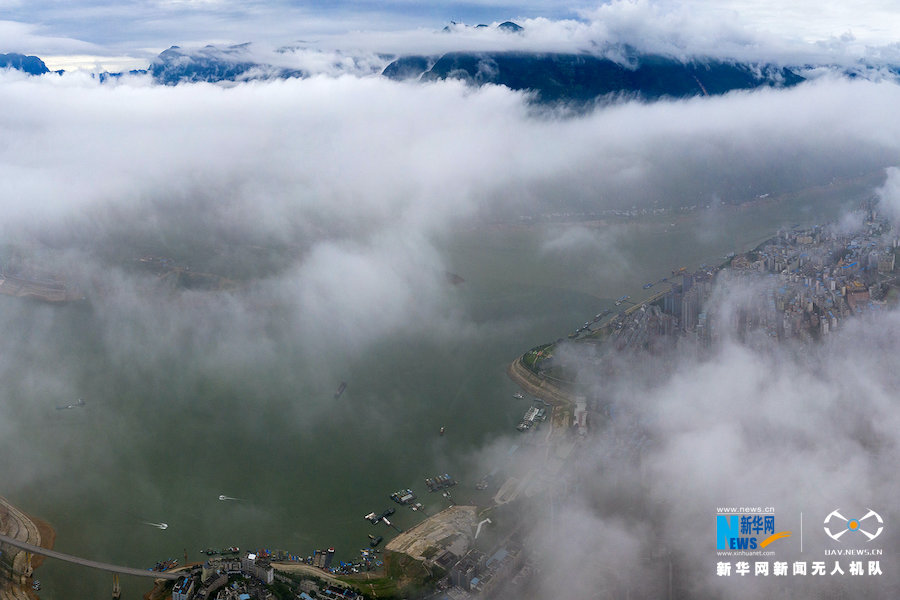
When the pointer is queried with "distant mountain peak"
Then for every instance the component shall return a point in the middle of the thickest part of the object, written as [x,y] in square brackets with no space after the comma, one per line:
[213,63]
[510,27]
[584,78]
[507,26]
[29,64]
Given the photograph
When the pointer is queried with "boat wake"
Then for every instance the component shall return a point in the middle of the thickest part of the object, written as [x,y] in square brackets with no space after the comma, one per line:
[223,497]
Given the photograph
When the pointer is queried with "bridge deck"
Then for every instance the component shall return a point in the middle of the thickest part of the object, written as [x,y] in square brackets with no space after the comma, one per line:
[85,562]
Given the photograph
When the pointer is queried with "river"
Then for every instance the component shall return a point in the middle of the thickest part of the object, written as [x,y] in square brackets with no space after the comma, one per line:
[303,466]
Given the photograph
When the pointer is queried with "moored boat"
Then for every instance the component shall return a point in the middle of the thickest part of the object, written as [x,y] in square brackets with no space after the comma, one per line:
[403,496]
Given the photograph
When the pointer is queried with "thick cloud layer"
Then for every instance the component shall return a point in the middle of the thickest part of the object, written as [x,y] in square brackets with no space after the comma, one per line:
[323,205]
[343,186]
[803,428]
[889,195]
[422,154]
[323,38]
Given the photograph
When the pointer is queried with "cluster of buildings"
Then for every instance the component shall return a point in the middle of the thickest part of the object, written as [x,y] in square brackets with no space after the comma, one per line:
[800,284]
[309,590]
[236,578]
[249,577]
[477,575]
[815,278]
[622,213]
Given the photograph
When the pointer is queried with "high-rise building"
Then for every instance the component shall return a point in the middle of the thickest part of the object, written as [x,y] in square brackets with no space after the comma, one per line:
[690,309]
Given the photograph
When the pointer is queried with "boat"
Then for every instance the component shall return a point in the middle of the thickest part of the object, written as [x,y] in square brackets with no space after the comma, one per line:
[375,540]
[403,496]
[531,415]
[165,565]
[340,390]
[371,518]
[647,286]
[439,482]
[71,406]
[518,396]
[441,432]
[36,586]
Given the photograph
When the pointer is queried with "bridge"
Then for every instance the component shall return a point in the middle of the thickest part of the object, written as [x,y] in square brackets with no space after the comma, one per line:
[87,563]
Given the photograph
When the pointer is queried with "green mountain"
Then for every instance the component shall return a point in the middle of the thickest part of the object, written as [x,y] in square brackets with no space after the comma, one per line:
[580,78]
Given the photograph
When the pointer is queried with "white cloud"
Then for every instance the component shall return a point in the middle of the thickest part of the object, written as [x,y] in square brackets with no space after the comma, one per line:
[889,195]
[93,63]
[24,38]
[339,189]
[799,427]
[797,34]
[354,180]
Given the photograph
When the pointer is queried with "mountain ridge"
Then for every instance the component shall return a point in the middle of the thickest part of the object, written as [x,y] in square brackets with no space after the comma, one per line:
[21,62]
[572,78]
[555,77]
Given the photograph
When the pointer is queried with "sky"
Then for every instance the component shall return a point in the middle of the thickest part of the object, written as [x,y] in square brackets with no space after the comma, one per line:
[97,35]
[340,190]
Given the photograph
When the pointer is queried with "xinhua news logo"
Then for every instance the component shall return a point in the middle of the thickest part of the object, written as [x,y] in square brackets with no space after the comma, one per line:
[746,531]
[870,525]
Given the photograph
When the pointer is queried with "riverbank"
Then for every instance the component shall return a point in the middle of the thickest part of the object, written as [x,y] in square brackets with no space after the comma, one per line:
[538,386]
[17,524]
[163,589]
[308,571]
[48,539]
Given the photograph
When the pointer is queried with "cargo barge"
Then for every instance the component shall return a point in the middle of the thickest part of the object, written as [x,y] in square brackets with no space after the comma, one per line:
[403,497]
[439,482]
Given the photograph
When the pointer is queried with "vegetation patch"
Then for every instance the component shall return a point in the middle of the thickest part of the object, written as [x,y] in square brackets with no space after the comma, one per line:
[531,358]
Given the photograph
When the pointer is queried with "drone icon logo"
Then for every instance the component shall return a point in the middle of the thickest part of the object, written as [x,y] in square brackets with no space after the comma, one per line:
[843,525]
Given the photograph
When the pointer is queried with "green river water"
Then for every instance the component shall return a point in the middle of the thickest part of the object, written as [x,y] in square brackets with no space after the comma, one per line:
[306,469]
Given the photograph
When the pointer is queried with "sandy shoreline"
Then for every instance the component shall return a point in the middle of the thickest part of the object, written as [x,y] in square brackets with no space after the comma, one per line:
[24,527]
[305,569]
[537,386]
[48,538]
